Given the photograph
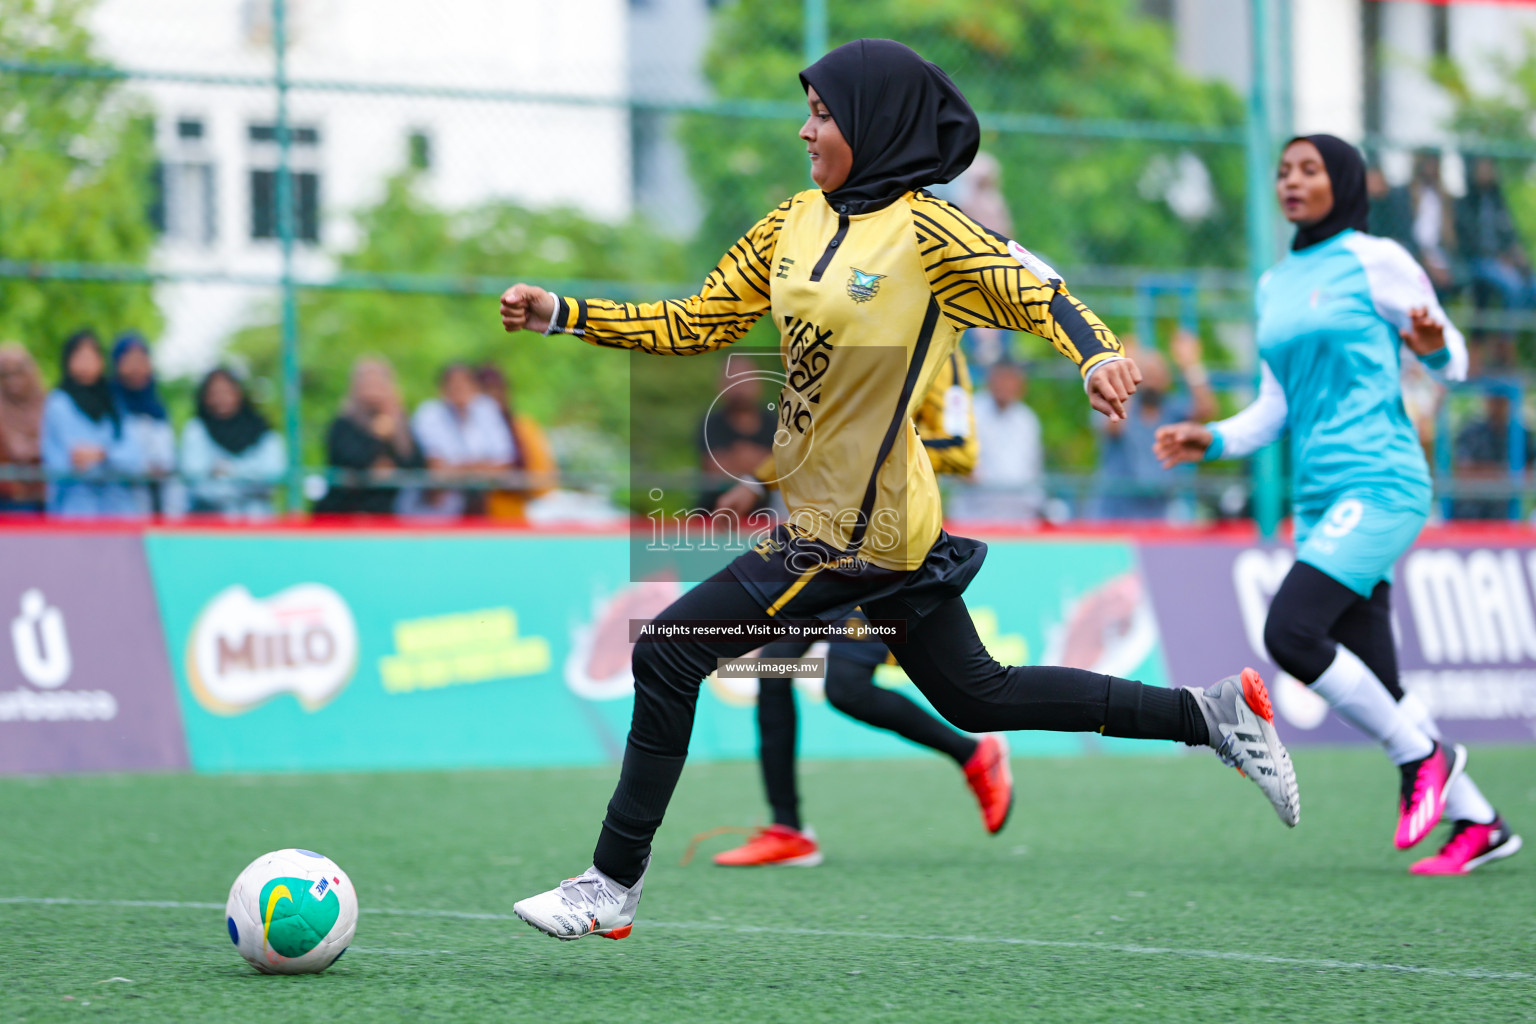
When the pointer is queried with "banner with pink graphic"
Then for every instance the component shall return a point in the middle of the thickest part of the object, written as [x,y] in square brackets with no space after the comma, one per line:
[1464,609]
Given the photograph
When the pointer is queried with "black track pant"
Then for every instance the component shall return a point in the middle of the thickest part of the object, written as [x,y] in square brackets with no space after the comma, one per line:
[943,656]
[851,689]
[1313,612]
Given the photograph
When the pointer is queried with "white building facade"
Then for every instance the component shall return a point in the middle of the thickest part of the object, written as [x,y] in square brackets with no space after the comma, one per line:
[546,123]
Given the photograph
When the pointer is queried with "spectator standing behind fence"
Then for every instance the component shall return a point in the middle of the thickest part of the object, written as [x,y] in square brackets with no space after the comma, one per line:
[146,421]
[1489,241]
[1008,481]
[1433,238]
[230,456]
[1391,213]
[372,436]
[21,426]
[1419,215]
[1483,453]
[462,434]
[84,438]
[531,454]
[1131,481]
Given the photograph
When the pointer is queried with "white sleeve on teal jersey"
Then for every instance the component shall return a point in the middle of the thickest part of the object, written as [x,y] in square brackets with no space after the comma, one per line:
[1256,426]
[1398,284]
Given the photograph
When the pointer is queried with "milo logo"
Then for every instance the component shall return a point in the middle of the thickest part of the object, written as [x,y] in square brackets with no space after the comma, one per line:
[296,916]
[244,650]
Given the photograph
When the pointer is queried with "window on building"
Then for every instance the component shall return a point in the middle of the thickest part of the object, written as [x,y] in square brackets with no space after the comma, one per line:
[304,171]
[188,207]
[306,205]
[419,151]
[298,135]
[184,208]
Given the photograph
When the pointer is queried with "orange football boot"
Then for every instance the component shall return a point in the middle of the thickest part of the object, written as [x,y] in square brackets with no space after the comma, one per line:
[991,779]
[776,844]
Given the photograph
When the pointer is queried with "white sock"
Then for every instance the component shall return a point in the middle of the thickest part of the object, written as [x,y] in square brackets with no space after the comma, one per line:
[1418,713]
[1464,802]
[1362,700]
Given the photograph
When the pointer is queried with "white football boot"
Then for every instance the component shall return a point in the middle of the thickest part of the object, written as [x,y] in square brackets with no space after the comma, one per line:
[589,904]
[1241,722]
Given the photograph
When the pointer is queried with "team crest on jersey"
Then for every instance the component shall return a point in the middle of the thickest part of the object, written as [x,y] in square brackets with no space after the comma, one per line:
[862,287]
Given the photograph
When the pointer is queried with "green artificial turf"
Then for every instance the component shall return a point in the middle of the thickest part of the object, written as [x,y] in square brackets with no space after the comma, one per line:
[1124,889]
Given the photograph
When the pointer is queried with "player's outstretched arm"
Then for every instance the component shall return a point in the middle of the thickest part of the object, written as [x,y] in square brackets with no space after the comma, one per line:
[1176,443]
[1232,438]
[981,279]
[734,296]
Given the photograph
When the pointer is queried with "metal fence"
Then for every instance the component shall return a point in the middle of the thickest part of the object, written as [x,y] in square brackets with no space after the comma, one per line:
[328,180]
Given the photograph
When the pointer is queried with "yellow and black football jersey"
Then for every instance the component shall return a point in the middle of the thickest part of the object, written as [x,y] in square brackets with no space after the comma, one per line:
[869,308]
[945,422]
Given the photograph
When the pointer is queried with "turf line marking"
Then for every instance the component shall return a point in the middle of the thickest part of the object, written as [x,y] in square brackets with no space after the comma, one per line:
[1107,947]
[1475,973]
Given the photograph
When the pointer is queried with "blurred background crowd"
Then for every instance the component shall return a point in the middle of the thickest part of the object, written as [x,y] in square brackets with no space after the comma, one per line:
[249,249]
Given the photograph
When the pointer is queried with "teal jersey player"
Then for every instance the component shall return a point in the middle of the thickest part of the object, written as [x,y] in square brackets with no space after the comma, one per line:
[1330,323]
[1333,318]
[1330,318]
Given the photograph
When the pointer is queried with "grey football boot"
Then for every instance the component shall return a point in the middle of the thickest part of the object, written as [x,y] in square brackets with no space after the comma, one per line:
[1241,722]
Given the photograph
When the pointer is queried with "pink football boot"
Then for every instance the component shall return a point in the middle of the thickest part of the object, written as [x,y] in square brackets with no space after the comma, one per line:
[1425,783]
[1471,846]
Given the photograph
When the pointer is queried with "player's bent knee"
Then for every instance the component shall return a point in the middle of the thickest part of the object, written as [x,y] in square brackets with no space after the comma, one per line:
[1297,645]
[842,693]
[666,664]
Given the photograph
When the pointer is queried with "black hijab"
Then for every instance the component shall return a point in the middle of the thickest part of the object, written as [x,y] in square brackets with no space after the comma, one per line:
[1351,205]
[235,433]
[94,400]
[907,123]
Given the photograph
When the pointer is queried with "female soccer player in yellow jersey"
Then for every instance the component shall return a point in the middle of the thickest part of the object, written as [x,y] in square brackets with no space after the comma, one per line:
[946,426]
[870,281]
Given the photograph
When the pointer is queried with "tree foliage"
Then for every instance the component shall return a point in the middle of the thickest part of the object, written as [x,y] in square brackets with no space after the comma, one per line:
[1504,118]
[1076,199]
[556,380]
[76,161]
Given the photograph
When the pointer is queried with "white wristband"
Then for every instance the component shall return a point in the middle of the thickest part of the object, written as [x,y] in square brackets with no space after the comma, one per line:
[554,318]
[1097,367]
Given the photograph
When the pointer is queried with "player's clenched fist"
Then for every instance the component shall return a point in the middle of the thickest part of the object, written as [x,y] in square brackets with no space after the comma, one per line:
[527,307]
[1181,442]
[1111,384]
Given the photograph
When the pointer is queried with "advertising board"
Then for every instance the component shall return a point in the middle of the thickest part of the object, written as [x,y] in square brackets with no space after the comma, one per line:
[84,681]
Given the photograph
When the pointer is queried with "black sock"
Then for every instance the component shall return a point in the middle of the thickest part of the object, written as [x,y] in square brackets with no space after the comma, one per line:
[1153,712]
[645,788]
[1198,735]
[777,725]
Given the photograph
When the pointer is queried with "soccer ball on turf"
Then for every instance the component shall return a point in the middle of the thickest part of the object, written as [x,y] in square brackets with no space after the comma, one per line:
[292,912]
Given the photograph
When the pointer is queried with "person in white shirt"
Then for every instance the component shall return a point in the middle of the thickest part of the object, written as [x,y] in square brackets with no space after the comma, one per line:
[1008,479]
[463,433]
